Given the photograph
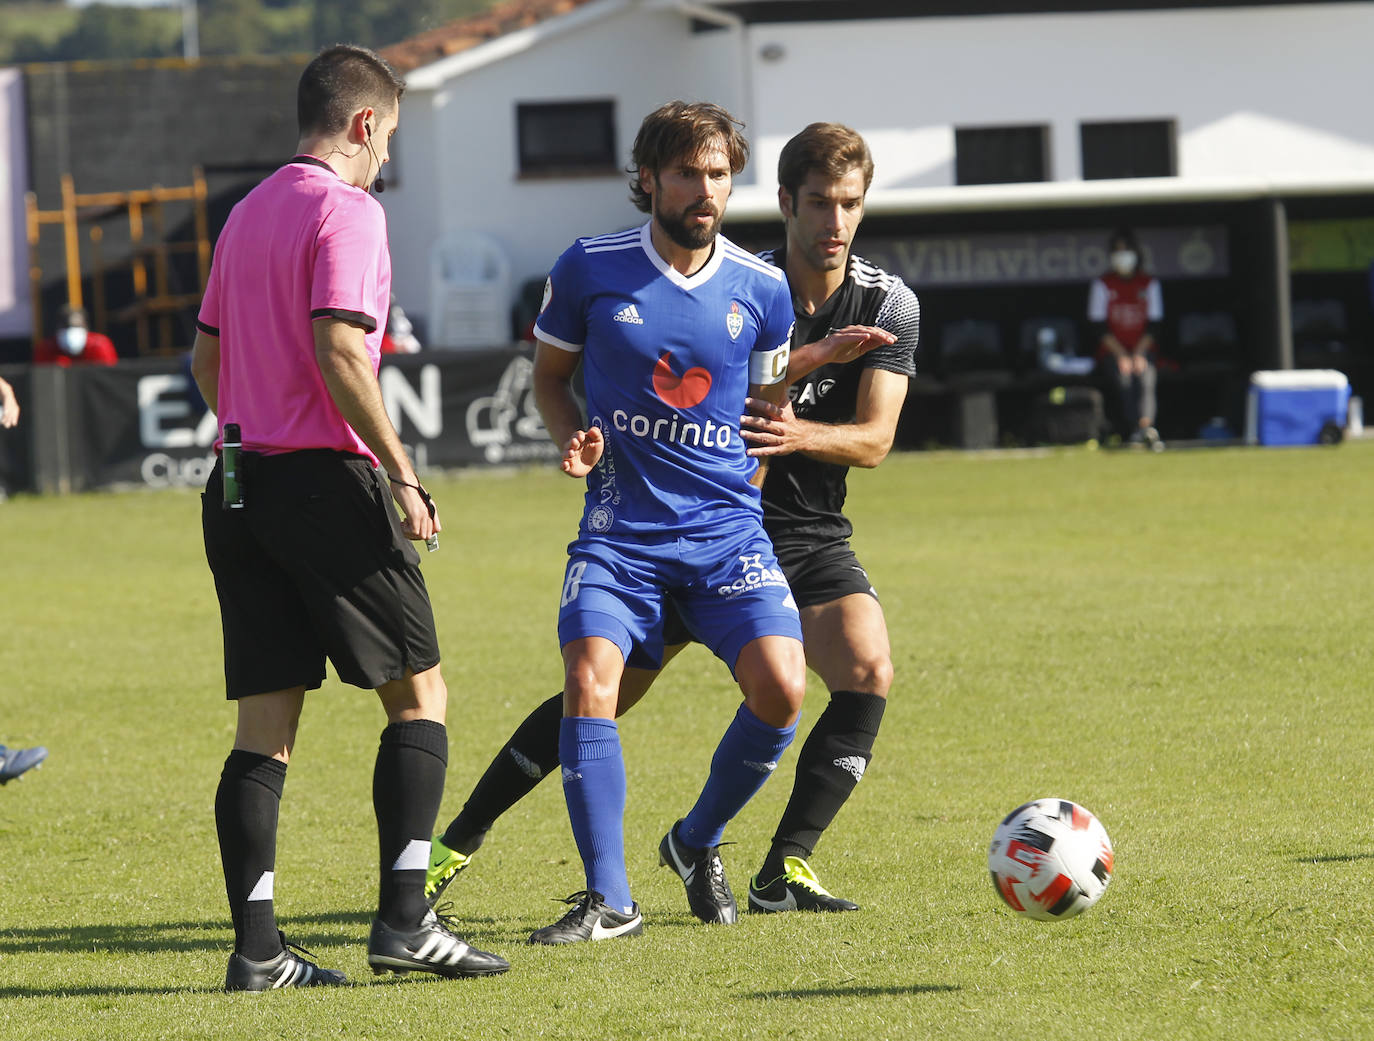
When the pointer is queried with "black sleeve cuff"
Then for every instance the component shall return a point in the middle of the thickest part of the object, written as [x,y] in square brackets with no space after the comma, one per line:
[356,317]
[208,330]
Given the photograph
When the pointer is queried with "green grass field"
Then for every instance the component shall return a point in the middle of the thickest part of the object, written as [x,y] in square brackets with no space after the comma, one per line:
[1181,642]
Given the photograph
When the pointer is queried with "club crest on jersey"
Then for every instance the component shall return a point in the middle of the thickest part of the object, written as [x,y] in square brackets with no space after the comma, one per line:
[734,321]
[600,519]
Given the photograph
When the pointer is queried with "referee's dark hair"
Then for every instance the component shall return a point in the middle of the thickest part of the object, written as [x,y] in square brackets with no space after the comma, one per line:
[832,148]
[340,80]
[682,130]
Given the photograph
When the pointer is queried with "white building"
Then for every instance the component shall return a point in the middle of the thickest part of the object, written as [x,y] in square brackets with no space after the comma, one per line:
[1217,97]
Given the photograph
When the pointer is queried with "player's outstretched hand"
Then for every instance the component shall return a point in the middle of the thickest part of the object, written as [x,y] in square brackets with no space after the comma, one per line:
[583,451]
[854,341]
[836,347]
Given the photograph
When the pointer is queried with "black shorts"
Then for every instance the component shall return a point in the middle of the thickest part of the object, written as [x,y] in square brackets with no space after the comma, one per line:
[817,575]
[315,566]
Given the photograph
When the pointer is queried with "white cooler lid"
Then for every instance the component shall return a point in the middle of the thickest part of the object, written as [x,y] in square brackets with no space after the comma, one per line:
[1298,379]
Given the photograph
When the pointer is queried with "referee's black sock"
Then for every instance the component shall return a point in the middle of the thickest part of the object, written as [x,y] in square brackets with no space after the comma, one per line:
[407,787]
[832,760]
[530,754]
[246,806]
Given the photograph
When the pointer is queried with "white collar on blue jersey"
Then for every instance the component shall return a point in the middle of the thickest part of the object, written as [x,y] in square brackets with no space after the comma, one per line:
[673,275]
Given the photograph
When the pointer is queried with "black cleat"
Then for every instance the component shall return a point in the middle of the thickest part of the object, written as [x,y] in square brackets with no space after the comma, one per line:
[590,919]
[708,893]
[797,889]
[287,969]
[430,947]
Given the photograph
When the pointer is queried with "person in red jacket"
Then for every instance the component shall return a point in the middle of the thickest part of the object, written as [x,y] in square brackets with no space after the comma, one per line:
[74,343]
[1126,303]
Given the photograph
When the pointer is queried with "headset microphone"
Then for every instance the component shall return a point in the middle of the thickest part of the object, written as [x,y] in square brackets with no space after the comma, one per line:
[379,185]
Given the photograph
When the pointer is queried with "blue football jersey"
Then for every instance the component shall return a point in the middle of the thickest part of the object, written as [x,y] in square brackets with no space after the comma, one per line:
[665,363]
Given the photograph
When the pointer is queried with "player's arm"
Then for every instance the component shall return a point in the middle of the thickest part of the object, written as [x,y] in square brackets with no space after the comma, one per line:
[205,368]
[341,353]
[838,346]
[772,429]
[553,375]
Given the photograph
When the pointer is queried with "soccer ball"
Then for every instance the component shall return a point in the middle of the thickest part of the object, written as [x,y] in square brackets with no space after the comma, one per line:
[1050,859]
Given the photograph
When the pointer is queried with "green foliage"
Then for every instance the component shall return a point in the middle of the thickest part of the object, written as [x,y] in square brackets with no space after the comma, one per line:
[34,30]
[1179,641]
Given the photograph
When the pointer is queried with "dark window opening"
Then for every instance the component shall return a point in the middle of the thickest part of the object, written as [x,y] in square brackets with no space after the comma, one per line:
[1001,155]
[1143,148]
[566,138]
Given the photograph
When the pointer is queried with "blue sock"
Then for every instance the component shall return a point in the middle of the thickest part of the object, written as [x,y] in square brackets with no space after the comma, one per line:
[594,789]
[744,760]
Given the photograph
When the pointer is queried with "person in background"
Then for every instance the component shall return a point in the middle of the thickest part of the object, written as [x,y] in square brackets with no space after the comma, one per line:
[16,761]
[399,337]
[74,343]
[1127,305]
[9,406]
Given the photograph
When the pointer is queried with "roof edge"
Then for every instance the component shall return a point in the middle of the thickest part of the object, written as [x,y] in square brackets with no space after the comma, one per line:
[437,73]
[759,202]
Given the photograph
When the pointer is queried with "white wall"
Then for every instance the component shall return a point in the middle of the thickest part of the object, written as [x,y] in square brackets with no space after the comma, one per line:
[1263,91]
[640,58]
[16,316]
[1255,91]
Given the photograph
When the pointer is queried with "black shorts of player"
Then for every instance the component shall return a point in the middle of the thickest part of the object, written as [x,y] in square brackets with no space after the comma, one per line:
[817,575]
[315,565]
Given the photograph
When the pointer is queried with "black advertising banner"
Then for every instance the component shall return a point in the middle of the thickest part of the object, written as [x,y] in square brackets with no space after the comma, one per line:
[143,422]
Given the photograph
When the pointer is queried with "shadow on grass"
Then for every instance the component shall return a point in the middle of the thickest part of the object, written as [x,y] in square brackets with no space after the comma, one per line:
[149,938]
[115,990]
[100,992]
[852,992]
[1335,858]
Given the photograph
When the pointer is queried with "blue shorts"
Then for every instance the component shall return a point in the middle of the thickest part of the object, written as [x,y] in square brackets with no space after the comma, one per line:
[728,588]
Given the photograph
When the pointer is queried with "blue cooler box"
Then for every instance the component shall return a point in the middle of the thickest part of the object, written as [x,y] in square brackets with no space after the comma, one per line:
[1290,406]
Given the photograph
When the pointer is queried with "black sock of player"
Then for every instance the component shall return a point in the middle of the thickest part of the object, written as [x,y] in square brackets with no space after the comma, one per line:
[530,754]
[246,806]
[407,787]
[833,759]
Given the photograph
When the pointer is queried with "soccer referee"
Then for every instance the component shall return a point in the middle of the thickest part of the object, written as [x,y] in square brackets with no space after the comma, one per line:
[309,557]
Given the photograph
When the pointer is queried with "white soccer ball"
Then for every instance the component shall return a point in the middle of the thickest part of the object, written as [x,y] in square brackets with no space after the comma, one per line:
[1050,859]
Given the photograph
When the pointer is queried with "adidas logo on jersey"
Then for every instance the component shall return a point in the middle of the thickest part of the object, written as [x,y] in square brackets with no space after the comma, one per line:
[853,765]
[629,313]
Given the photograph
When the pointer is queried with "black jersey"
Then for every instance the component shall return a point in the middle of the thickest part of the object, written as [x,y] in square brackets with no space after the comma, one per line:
[803,498]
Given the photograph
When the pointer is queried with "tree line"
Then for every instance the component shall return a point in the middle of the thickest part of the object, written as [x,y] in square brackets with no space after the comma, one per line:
[50,30]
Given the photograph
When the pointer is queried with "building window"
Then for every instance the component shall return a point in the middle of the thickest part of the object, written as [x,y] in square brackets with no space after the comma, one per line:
[1001,155]
[565,138]
[1143,148]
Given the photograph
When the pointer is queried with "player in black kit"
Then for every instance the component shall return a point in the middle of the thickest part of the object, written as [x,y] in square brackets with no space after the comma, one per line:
[839,415]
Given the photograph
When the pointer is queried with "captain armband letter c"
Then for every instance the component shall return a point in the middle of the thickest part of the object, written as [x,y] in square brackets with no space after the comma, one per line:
[768,367]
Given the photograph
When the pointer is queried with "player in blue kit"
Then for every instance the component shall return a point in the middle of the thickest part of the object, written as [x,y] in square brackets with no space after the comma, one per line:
[674,327]
[855,338]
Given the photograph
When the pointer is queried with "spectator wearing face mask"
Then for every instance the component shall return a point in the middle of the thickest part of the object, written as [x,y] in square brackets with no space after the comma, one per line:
[1125,303]
[74,343]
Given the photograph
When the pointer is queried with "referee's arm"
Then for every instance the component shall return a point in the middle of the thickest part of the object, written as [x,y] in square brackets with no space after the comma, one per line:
[341,352]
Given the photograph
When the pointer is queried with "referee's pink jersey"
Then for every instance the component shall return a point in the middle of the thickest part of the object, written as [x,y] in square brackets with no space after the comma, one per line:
[303,245]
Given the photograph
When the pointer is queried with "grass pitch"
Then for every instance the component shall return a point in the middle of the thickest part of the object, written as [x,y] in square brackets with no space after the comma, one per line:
[1181,642]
